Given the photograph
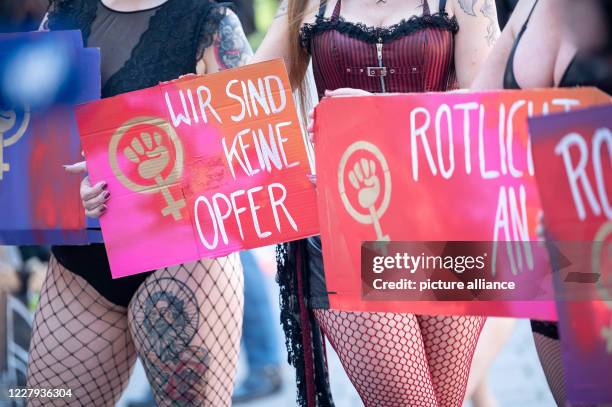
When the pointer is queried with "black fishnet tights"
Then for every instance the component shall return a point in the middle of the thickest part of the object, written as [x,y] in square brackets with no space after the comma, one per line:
[80,342]
[186,322]
[183,322]
[549,352]
[396,360]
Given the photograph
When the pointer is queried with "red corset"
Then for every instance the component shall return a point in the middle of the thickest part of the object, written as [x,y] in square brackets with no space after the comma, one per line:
[415,55]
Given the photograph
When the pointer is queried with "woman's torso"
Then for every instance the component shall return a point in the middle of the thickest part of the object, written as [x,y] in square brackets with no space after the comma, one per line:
[138,50]
[539,37]
[414,55]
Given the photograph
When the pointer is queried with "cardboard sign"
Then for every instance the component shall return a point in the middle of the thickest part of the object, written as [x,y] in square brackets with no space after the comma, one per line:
[199,167]
[431,167]
[573,161]
[39,200]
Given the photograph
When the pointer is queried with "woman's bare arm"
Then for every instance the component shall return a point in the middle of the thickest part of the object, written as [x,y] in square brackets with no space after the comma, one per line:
[229,49]
[491,75]
[543,55]
[478,33]
[276,42]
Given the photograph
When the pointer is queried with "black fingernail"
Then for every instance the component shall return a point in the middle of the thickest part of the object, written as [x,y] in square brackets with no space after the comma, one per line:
[106,195]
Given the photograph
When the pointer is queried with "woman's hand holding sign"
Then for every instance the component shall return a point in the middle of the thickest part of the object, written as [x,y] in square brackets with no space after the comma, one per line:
[94,197]
[148,152]
[340,92]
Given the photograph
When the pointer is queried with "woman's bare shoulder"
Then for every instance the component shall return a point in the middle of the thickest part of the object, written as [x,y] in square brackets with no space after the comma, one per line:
[519,15]
[545,12]
[311,9]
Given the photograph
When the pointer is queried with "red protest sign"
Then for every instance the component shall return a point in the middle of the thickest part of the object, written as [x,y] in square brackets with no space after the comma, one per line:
[199,167]
[432,167]
[573,159]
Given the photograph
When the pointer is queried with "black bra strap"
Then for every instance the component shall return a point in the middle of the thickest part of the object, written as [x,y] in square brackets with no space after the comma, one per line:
[322,8]
[426,8]
[529,16]
[442,7]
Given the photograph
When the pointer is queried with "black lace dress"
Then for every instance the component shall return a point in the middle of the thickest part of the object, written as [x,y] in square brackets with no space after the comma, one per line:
[138,50]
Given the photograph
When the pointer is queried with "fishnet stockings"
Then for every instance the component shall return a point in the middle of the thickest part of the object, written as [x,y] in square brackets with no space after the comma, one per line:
[184,323]
[450,342]
[190,356]
[80,342]
[396,360]
[549,352]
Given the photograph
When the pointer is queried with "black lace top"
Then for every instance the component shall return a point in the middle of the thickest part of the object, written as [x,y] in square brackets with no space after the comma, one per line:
[138,50]
[142,48]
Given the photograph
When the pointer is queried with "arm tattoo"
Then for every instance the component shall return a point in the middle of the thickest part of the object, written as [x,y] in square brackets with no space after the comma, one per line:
[231,46]
[468,7]
[168,319]
[282,9]
[489,11]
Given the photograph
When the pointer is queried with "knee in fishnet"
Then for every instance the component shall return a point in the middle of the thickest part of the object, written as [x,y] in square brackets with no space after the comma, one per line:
[186,322]
[383,356]
[450,342]
[80,341]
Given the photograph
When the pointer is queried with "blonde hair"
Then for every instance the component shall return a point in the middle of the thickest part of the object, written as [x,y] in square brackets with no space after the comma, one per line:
[298,56]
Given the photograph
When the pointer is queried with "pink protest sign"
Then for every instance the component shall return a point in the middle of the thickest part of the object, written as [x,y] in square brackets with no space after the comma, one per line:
[573,158]
[199,167]
[433,167]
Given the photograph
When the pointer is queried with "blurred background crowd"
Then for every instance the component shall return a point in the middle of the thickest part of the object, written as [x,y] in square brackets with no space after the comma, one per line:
[512,376]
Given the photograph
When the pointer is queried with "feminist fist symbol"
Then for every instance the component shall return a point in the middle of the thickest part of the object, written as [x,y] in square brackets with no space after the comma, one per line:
[364,179]
[368,193]
[152,160]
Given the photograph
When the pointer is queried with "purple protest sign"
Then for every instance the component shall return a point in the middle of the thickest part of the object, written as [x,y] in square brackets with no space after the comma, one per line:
[39,200]
[573,162]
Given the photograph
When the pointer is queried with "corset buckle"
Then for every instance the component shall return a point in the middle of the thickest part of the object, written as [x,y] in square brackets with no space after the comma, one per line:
[377,71]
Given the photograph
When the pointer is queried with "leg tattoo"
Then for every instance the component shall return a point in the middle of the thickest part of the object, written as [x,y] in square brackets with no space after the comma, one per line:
[186,326]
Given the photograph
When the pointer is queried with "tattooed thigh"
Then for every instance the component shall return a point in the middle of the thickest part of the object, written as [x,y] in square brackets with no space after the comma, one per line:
[165,317]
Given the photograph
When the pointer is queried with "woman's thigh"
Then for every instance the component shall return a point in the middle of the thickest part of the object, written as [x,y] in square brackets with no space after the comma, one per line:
[80,342]
[383,355]
[186,323]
